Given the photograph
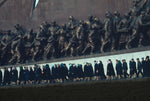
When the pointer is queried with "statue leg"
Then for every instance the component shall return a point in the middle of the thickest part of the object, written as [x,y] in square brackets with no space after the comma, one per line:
[140,40]
[128,45]
[87,46]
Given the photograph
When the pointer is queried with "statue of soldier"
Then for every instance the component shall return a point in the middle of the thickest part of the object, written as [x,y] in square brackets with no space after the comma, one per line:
[135,11]
[93,37]
[72,26]
[137,31]
[62,40]
[124,30]
[116,34]
[108,36]
[19,29]
[6,47]
[16,49]
[80,35]
[28,41]
[53,29]
[43,33]
[50,49]
[147,14]
[72,45]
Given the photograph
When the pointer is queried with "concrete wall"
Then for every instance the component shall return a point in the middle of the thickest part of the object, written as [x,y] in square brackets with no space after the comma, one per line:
[20,11]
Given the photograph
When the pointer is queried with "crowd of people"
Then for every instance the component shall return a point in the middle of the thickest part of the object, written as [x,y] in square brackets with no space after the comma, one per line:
[77,37]
[60,73]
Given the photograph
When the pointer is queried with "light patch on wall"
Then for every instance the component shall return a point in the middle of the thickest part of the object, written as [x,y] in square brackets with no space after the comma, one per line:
[36,3]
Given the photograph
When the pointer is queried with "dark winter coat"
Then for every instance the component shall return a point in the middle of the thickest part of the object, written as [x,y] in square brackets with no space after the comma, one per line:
[48,73]
[125,67]
[6,76]
[0,77]
[31,75]
[110,70]
[119,68]
[14,75]
[97,69]
[27,75]
[21,75]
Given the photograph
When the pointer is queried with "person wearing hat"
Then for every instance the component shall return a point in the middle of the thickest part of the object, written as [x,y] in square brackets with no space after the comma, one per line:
[101,69]
[48,73]
[139,67]
[110,70]
[119,69]
[133,70]
[146,67]
[31,76]
[143,66]
[54,73]
[72,72]
[27,75]
[97,70]
[80,72]
[125,68]
[86,72]
[14,75]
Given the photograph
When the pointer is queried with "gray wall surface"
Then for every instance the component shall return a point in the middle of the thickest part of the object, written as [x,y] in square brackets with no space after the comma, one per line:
[20,11]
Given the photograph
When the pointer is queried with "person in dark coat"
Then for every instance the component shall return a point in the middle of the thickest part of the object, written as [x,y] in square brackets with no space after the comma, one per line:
[119,69]
[54,73]
[133,69]
[66,72]
[147,67]
[48,73]
[80,72]
[110,70]
[21,76]
[72,72]
[14,75]
[90,71]
[39,75]
[36,73]
[97,70]
[63,72]
[0,77]
[27,75]
[143,66]
[101,69]
[31,76]
[139,67]
[86,72]
[59,73]
[6,77]
[44,74]
[125,68]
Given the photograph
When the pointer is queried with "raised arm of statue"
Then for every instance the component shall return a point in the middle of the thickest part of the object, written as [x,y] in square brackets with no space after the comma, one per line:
[142,4]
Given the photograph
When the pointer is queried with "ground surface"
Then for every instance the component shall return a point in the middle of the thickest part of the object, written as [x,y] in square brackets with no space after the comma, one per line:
[116,90]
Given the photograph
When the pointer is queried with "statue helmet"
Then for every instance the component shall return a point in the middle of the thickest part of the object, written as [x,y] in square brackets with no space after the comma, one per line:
[71,17]
[116,13]
[90,17]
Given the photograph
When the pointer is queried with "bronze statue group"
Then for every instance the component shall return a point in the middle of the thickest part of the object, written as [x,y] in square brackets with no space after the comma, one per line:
[60,73]
[77,38]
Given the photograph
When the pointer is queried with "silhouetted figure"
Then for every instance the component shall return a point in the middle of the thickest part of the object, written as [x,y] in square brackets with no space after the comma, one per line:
[6,77]
[125,68]
[110,70]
